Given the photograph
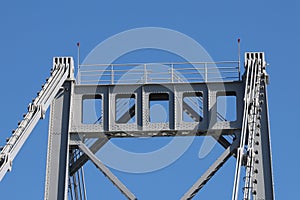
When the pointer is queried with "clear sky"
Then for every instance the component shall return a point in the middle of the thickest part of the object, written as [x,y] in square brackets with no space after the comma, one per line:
[32,32]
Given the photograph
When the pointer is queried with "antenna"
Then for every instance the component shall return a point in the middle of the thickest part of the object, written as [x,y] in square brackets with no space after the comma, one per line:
[239,57]
[78,62]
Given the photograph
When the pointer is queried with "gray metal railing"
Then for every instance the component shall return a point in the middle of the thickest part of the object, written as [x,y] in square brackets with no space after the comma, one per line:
[158,72]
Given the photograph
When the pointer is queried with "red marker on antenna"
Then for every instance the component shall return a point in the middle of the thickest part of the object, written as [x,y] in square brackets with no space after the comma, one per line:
[78,44]
[239,40]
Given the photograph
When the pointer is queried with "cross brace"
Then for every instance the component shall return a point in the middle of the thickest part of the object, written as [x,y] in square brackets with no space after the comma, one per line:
[211,171]
[106,171]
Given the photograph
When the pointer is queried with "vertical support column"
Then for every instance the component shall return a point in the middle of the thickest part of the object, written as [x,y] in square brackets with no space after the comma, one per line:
[139,104]
[145,108]
[106,110]
[58,145]
[206,108]
[111,108]
[172,115]
[212,109]
[177,108]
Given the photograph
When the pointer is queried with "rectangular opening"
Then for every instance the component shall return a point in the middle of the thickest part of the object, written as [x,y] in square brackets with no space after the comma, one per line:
[125,108]
[159,107]
[92,109]
[192,107]
[226,106]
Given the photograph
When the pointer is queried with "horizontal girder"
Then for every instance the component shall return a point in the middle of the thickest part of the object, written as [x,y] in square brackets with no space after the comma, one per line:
[136,118]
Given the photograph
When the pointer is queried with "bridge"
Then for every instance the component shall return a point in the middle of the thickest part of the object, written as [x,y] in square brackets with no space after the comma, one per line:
[121,96]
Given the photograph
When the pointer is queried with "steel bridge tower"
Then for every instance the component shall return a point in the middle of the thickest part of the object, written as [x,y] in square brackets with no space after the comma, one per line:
[247,138]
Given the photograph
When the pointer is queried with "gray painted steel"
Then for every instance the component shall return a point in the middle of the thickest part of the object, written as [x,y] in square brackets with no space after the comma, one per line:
[263,159]
[68,132]
[144,128]
[74,167]
[211,171]
[254,151]
[106,172]
[58,145]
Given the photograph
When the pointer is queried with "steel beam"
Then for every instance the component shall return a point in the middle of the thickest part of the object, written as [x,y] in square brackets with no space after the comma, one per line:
[142,127]
[222,140]
[100,142]
[106,171]
[211,171]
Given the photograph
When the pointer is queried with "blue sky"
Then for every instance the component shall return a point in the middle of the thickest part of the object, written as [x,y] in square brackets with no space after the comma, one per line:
[32,32]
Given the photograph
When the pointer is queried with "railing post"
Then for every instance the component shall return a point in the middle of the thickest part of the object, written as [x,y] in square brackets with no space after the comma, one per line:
[172,72]
[112,74]
[78,75]
[205,75]
[239,69]
[145,73]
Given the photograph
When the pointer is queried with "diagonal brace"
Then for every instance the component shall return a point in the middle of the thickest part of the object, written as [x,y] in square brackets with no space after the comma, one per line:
[222,140]
[106,171]
[211,171]
[84,158]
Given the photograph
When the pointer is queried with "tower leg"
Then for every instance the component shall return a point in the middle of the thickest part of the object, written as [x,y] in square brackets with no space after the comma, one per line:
[56,186]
